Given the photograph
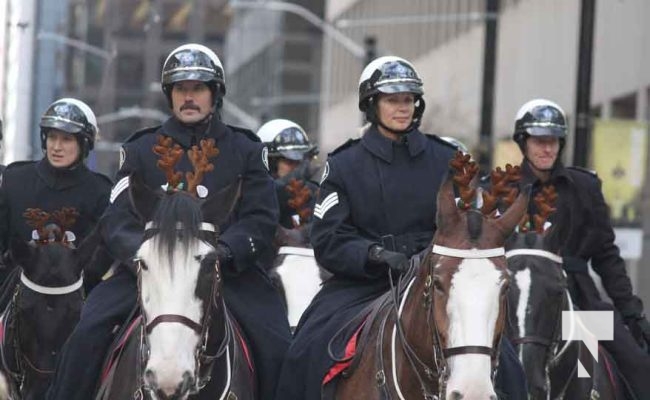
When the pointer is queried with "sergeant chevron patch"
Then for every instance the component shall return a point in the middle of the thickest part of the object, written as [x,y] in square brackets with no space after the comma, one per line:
[330,201]
[119,188]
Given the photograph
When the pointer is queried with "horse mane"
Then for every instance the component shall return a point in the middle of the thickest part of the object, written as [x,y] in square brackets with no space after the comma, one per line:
[174,210]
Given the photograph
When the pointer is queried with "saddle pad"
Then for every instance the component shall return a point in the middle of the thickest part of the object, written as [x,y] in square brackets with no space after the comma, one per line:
[350,350]
[118,348]
[244,346]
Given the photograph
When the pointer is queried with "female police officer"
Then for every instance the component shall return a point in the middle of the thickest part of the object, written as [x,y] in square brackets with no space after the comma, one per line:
[59,179]
[358,240]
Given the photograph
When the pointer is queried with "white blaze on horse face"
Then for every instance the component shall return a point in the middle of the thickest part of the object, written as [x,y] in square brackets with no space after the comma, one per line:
[473,310]
[523,283]
[170,289]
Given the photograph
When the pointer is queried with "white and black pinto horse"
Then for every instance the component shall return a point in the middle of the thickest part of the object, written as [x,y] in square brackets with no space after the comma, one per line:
[185,343]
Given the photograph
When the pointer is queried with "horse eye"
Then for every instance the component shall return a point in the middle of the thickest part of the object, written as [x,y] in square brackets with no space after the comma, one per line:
[437,284]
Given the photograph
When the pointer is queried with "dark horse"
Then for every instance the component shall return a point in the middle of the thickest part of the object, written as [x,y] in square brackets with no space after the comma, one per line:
[45,305]
[184,342]
[440,339]
[537,297]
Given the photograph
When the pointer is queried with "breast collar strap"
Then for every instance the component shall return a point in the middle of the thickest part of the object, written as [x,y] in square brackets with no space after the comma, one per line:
[534,252]
[52,291]
[468,253]
[204,226]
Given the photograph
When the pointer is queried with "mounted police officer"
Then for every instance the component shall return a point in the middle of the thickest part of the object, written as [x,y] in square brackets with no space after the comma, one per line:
[193,82]
[60,179]
[290,156]
[376,208]
[582,218]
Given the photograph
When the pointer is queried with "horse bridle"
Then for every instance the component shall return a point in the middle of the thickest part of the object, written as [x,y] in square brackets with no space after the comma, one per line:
[441,355]
[549,343]
[22,359]
[204,361]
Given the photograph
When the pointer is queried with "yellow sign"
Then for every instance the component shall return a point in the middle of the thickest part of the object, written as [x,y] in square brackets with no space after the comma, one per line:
[619,158]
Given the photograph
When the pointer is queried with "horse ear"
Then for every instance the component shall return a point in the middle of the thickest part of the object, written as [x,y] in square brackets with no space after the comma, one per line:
[218,207]
[447,213]
[515,212]
[20,252]
[143,199]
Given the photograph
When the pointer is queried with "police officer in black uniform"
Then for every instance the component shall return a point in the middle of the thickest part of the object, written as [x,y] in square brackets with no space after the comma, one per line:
[193,82]
[376,209]
[60,179]
[586,235]
[290,156]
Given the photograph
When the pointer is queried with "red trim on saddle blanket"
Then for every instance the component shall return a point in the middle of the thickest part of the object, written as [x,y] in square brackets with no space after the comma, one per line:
[116,351]
[608,367]
[244,346]
[350,350]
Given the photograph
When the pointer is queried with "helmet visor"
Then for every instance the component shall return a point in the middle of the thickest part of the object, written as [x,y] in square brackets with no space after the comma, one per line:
[546,130]
[62,124]
[401,87]
[189,74]
[291,143]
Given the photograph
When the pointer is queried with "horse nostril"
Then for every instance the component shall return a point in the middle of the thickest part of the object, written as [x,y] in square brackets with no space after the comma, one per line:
[187,384]
[493,397]
[150,378]
[456,395]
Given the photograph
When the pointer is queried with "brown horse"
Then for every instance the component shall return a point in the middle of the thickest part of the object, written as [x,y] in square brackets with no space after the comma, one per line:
[437,335]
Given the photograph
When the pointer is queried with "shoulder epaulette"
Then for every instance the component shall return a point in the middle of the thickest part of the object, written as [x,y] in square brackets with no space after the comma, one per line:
[247,132]
[142,132]
[349,143]
[17,164]
[441,141]
[584,170]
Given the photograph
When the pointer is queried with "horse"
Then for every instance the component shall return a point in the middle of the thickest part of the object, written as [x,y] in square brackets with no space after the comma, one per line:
[436,334]
[537,298]
[295,272]
[45,305]
[184,343]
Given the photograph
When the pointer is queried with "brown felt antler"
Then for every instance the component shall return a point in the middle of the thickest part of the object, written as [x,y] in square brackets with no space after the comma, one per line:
[65,218]
[465,170]
[300,196]
[200,159]
[170,154]
[37,218]
[545,204]
[501,188]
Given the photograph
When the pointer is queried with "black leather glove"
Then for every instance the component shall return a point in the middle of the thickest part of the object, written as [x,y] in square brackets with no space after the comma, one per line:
[397,262]
[639,327]
[225,256]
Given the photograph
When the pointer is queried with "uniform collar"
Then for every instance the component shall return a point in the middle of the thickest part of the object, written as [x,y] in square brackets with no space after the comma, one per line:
[383,147]
[187,135]
[559,172]
[60,178]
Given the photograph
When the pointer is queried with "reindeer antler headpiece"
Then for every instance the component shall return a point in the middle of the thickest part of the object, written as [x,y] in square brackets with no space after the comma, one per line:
[62,219]
[501,184]
[300,196]
[170,154]
[545,203]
